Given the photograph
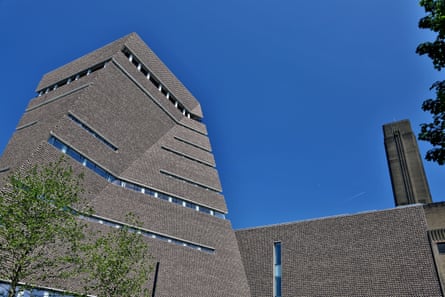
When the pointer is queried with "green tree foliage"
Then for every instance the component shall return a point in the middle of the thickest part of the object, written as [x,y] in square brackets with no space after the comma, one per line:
[117,263]
[434,132]
[38,233]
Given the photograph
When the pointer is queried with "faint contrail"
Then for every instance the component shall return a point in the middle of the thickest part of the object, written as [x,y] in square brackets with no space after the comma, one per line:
[357,195]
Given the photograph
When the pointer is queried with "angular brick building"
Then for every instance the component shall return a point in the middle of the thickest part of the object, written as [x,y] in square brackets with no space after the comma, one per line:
[135,131]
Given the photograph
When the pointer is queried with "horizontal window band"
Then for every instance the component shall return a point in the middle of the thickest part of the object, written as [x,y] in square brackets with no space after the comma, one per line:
[35,291]
[111,178]
[4,169]
[148,233]
[188,157]
[192,144]
[26,125]
[58,97]
[39,291]
[91,131]
[146,92]
[189,181]
[158,84]
[72,78]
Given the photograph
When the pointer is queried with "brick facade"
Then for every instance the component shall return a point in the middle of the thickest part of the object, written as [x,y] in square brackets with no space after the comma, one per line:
[134,130]
[382,253]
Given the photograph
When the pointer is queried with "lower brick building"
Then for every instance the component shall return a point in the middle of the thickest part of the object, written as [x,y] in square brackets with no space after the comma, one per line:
[379,253]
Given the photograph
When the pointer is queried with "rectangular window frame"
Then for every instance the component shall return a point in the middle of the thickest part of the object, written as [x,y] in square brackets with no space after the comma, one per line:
[277,271]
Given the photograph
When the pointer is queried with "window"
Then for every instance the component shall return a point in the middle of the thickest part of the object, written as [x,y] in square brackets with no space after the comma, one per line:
[204,209]
[26,291]
[220,215]
[133,187]
[157,83]
[125,184]
[163,196]
[441,248]
[176,200]
[68,80]
[75,155]
[277,269]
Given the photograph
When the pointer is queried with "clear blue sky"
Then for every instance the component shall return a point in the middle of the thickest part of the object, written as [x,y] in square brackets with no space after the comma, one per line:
[294,92]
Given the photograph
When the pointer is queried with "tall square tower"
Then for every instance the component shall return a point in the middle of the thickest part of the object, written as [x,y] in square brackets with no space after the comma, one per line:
[408,177]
